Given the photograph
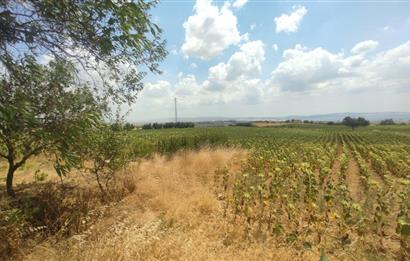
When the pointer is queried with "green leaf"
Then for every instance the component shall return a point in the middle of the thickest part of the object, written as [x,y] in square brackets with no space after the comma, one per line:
[405,229]
[291,238]
[278,229]
[307,245]
[323,256]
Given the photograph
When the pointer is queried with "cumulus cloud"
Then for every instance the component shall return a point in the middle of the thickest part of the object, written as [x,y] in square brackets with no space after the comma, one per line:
[243,64]
[275,47]
[157,90]
[233,81]
[239,3]
[210,30]
[187,90]
[304,76]
[305,69]
[364,47]
[392,67]
[289,23]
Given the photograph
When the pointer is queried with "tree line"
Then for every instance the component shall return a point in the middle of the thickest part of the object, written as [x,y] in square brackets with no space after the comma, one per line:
[168,125]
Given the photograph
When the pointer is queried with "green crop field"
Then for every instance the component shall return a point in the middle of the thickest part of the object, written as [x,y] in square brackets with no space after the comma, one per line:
[327,187]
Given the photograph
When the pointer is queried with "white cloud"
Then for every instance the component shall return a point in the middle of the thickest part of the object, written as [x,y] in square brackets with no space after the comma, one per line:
[304,69]
[252,27]
[275,47]
[239,3]
[210,30]
[308,80]
[97,74]
[392,67]
[386,28]
[193,65]
[45,59]
[233,81]
[290,22]
[241,65]
[364,47]
[311,69]
[156,93]
[156,90]
[188,90]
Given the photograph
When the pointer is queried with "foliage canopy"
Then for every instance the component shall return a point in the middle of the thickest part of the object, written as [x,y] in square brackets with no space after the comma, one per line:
[355,122]
[107,38]
[62,63]
[33,120]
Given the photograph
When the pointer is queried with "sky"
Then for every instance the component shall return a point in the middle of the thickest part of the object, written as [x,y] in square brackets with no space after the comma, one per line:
[254,58]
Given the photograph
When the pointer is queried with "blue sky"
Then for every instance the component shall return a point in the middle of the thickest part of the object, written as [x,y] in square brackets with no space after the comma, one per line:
[275,58]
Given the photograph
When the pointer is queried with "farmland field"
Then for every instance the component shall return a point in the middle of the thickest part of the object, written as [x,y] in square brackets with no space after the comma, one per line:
[291,192]
[323,187]
[211,130]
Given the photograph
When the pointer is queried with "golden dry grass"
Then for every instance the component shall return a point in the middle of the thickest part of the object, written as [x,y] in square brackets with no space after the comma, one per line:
[25,174]
[173,214]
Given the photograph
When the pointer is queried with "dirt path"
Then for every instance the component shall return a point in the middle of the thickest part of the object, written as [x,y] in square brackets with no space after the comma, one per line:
[353,179]
[336,164]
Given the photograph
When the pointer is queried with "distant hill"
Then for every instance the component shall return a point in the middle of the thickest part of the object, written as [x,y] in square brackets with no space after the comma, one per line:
[372,116]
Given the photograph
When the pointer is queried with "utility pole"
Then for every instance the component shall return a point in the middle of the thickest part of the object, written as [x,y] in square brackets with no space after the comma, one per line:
[176,113]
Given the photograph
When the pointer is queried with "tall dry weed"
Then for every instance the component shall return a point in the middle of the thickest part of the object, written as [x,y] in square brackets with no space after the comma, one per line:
[173,213]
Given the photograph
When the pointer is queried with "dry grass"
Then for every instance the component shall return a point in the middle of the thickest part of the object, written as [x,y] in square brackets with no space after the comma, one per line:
[353,179]
[173,214]
[25,174]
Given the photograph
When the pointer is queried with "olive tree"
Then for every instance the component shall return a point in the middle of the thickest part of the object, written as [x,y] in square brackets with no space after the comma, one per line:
[113,40]
[105,152]
[97,53]
[355,122]
[42,111]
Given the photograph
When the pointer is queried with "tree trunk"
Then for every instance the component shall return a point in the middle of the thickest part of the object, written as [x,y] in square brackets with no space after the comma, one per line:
[9,181]
[103,194]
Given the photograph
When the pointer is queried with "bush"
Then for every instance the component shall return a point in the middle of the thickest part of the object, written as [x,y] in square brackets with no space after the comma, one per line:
[40,175]
[128,126]
[244,124]
[43,210]
[104,153]
[387,122]
[118,126]
[147,126]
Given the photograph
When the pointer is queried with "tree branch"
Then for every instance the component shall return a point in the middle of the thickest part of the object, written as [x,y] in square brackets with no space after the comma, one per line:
[28,155]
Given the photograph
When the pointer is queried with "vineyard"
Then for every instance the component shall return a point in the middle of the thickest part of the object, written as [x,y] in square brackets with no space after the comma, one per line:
[327,189]
[291,192]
